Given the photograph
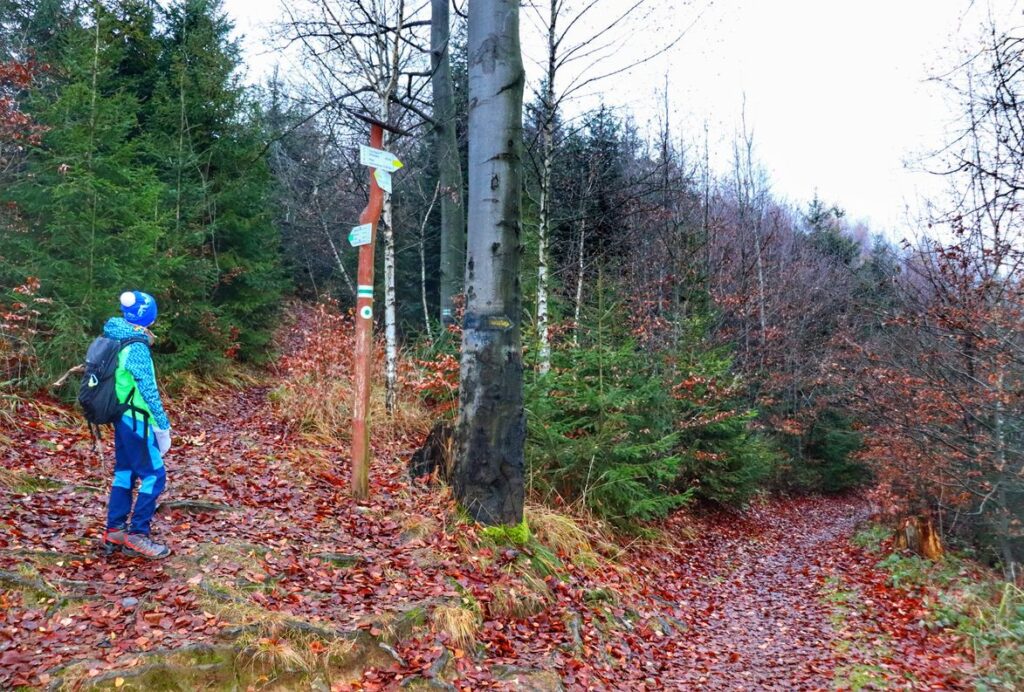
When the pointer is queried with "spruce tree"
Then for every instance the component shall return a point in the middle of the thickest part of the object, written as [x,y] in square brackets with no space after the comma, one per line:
[633,432]
[37,29]
[209,138]
[88,220]
[151,174]
[601,425]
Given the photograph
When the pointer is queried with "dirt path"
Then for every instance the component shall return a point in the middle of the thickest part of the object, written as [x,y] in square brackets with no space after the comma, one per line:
[755,613]
[258,523]
[778,598]
[271,553]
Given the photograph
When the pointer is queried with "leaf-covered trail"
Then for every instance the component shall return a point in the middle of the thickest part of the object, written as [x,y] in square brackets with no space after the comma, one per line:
[756,611]
[778,598]
[772,597]
[283,537]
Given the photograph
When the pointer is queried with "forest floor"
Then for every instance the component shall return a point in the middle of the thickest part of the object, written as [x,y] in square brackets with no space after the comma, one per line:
[279,580]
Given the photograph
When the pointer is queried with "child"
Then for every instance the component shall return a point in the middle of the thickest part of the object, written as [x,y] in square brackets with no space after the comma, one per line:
[142,436]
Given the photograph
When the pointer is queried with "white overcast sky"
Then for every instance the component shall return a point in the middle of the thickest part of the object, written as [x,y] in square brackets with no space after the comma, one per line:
[836,91]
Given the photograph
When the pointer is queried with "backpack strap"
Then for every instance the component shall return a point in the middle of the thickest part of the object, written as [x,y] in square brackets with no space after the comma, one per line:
[134,340]
[135,411]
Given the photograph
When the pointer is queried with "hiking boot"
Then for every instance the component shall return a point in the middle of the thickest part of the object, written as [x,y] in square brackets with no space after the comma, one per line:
[113,540]
[144,546]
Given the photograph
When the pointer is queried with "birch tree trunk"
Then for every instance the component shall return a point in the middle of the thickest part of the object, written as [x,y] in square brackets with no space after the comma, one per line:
[543,338]
[390,313]
[705,225]
[489,477]
[330,241]
[753,200]
[1005,477]
[449,166]
[580,269]
[544,210]
[390,316]
[92,147]
[423,263]
[761,318]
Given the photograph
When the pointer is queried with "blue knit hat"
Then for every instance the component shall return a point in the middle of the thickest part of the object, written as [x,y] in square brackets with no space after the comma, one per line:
[139,308]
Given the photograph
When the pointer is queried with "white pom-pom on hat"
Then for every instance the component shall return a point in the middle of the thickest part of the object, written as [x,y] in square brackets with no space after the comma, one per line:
[127,299]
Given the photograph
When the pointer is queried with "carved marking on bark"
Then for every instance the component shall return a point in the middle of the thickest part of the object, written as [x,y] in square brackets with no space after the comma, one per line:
[488,54]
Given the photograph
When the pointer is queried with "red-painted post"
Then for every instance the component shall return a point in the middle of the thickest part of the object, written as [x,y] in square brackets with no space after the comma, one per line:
[364,335]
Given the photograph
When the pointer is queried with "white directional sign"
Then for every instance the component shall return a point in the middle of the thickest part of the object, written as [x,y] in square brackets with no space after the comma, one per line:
[378,158]
[361,235]
[383,179]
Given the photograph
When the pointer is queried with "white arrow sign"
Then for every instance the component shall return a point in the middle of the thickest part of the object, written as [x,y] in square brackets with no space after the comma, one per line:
[378,158]
[361,235]
[383,179]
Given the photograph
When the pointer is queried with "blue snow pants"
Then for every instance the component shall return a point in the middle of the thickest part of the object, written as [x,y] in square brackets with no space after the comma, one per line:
[137,460]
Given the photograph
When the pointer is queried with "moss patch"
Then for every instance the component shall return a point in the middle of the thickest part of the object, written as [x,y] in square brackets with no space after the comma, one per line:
[516,534]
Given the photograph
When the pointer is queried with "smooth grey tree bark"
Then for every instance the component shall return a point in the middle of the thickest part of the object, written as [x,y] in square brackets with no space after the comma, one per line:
[453,211]
[489,474]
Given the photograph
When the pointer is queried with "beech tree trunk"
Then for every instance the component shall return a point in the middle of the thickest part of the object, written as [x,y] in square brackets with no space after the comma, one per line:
[453,213]
[489,474]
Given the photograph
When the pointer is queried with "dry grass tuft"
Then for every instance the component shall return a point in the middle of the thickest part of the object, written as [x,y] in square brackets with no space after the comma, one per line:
[535,583]
[311,461]
[670,539]
[410,418]
[22,482]
[459,622]
[318,408]
[289,651]
[272,639]
[419,526]
[560,533]
[231,605]
[7,416]
[316,393]
[9,479]
[193,385]
[993,629]
[10,403]
[277,653]
[15,406]
[508,601]
[322,410]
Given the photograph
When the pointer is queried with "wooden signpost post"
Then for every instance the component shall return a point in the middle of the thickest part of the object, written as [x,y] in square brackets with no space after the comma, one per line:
[364,236]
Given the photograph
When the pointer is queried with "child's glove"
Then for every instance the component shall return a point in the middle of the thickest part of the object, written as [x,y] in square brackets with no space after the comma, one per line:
[163,440]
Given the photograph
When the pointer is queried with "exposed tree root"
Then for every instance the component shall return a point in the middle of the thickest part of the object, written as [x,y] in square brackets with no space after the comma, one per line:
[195,506]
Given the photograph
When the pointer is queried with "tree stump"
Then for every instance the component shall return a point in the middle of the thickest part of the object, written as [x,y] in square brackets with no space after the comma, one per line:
[918,535]
[436,458]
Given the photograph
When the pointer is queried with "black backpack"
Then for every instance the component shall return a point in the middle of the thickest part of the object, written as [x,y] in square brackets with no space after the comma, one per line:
[98,393]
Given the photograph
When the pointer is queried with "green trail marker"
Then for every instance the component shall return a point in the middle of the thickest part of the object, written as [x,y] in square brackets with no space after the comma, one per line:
[361,235]
[383,179]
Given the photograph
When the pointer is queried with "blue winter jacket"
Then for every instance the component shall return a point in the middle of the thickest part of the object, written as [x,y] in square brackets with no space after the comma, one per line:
[140,364]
